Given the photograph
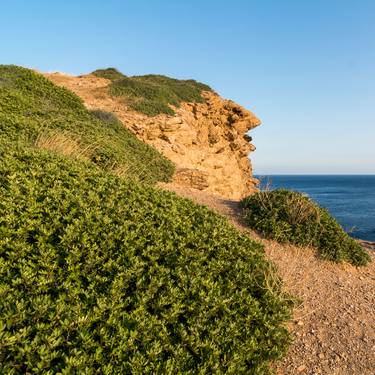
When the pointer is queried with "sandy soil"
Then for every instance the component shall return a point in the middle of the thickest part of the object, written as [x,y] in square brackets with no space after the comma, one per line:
[334,327]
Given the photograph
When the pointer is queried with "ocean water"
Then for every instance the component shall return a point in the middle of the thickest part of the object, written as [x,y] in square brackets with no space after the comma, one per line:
[349,198]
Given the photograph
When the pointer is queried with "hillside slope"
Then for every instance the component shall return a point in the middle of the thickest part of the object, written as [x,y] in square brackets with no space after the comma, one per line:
[207,140]
[100,272]
[333,328]
[36,112]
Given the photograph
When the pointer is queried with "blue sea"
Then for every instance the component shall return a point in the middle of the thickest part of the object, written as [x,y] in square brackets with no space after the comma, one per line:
[349,198]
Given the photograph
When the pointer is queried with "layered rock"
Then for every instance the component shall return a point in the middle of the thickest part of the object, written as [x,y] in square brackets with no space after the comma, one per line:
[208,142]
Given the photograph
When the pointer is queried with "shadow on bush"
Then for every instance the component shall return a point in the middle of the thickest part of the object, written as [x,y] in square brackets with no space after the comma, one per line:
[104,116]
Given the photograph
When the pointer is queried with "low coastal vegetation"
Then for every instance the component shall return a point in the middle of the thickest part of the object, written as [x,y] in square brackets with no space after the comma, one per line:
[288,216]
[107,274]
[97,274]
[153,94]
[109,73]
[35,111]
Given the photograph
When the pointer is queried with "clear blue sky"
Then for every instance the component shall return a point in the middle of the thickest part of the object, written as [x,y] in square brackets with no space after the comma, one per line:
[305,67]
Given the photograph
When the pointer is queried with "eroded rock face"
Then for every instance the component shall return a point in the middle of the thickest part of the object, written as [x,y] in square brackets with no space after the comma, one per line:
[208,142]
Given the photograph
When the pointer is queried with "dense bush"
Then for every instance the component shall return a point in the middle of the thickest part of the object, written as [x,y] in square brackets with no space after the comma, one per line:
[154,94]
[288,216]
[31,105]
[109,73]
[100,276]
[106,117]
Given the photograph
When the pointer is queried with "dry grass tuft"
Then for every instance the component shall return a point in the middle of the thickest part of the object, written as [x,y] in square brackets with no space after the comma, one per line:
[65,144]
[299,210]
[125,171]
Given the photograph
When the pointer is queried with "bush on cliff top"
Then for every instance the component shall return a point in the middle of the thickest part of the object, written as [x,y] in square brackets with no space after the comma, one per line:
[31,106]
[102,276]
[153,94]
[109,73]
[288,216]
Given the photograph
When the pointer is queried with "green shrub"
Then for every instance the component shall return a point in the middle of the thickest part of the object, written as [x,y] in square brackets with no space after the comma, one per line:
[109,73]
[288,216]
[101,276]
[107,117]
[154,94]
[31,105]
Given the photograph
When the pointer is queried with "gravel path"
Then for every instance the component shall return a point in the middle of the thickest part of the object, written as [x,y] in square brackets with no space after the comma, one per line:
[334,327]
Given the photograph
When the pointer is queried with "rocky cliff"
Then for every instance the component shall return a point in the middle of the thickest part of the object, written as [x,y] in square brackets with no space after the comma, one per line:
[208,142]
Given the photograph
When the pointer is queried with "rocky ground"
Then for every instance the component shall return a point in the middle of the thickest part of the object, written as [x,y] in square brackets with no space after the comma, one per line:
[334,326]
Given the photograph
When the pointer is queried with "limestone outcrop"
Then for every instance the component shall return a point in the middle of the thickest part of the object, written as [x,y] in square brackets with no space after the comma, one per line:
[208,142]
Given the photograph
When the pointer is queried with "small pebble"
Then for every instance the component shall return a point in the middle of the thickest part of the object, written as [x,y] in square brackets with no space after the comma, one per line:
[301,368]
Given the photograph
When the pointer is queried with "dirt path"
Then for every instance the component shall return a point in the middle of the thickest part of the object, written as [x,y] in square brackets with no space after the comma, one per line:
[334,327]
